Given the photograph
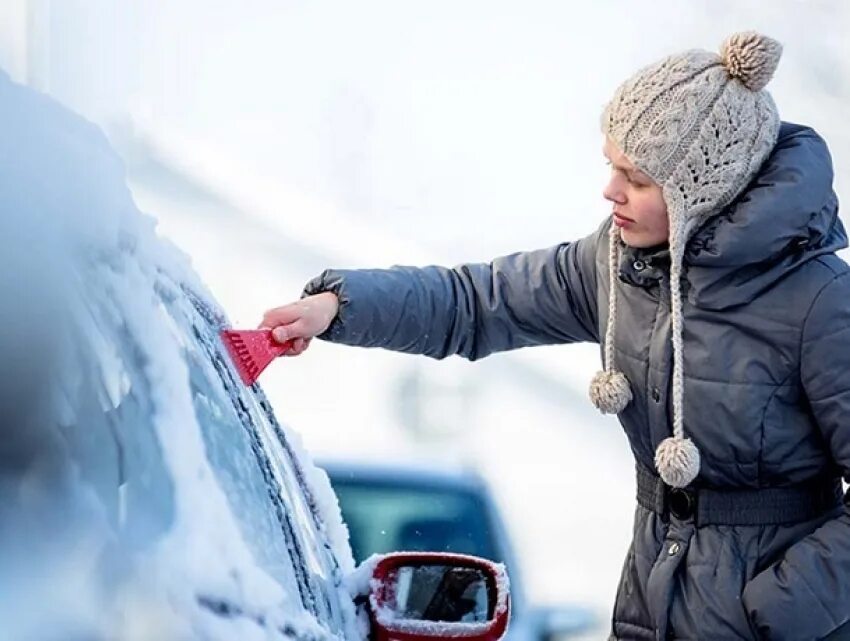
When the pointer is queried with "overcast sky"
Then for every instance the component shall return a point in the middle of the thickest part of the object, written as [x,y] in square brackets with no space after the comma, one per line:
[471,127]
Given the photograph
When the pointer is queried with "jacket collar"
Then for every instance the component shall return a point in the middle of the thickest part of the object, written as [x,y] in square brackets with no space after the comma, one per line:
[644,267]
[786,216]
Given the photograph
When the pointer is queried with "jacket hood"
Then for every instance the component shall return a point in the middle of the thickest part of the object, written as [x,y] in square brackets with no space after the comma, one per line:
[786,216]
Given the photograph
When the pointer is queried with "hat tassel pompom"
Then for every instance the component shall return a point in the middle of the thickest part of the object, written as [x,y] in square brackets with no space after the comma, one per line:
[677,461]
[610,391]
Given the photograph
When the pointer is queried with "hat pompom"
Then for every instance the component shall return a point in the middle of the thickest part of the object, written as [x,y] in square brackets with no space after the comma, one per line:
[610,391]
[751,57]
[677,461]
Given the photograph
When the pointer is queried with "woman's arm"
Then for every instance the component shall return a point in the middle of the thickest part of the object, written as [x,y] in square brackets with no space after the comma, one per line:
[531,298]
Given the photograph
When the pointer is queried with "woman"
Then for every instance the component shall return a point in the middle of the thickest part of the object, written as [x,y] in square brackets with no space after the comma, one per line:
[724,316]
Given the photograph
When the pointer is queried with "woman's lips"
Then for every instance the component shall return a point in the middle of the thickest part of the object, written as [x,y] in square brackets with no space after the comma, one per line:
[622,221]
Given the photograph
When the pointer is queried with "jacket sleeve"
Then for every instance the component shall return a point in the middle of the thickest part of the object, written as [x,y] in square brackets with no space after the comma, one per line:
[531,298]
[806,595]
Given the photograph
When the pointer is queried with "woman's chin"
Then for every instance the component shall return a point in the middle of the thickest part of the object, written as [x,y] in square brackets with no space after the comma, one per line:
[639,240]
[632,239]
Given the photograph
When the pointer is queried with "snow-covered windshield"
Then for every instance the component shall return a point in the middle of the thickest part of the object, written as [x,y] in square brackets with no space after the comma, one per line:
[263,478]
[144,493]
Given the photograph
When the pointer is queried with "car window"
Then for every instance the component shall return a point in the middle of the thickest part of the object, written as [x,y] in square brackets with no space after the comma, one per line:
[383,517]
[249,452]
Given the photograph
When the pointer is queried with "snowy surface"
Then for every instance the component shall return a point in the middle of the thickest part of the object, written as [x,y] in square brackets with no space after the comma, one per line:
[361,581]
[125,525]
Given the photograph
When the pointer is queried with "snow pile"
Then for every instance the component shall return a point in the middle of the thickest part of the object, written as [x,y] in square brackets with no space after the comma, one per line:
[92,367]
[361,582]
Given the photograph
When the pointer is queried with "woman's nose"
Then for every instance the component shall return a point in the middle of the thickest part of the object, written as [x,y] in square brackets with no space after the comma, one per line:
[613,193]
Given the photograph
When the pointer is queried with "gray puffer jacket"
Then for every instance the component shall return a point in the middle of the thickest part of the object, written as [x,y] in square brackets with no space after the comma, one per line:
[767,391]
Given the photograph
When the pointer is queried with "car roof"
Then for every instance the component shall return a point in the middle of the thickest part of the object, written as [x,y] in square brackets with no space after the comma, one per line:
[414,474]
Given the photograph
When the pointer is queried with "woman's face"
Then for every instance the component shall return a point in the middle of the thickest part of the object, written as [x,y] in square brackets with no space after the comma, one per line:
[639,209]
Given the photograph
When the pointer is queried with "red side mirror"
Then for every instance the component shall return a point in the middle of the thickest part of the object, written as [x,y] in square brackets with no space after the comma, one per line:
[429,596]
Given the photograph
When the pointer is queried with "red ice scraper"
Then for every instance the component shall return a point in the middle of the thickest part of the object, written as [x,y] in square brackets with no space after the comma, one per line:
[252,350]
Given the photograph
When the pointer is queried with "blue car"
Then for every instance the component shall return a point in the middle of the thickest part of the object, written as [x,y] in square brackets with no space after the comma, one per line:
[394,507]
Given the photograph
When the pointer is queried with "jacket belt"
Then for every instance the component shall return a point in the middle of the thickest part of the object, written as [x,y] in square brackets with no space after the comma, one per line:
[765,506]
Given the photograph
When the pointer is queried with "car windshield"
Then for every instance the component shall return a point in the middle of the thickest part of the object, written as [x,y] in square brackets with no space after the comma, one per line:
[249,454]
[384,517]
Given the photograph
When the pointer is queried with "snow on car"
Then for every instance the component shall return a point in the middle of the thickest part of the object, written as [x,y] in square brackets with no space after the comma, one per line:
[145,492]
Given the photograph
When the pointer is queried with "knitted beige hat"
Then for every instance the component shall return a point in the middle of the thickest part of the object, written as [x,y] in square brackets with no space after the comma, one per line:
[700,125]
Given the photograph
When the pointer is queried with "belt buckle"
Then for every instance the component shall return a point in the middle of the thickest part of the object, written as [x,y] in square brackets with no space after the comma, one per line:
[681,502]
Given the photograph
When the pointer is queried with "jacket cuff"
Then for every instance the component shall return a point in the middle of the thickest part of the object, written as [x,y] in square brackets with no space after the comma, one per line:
[333,281]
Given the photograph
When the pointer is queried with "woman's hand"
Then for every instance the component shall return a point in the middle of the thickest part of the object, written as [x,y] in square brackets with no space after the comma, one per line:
[301,321]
